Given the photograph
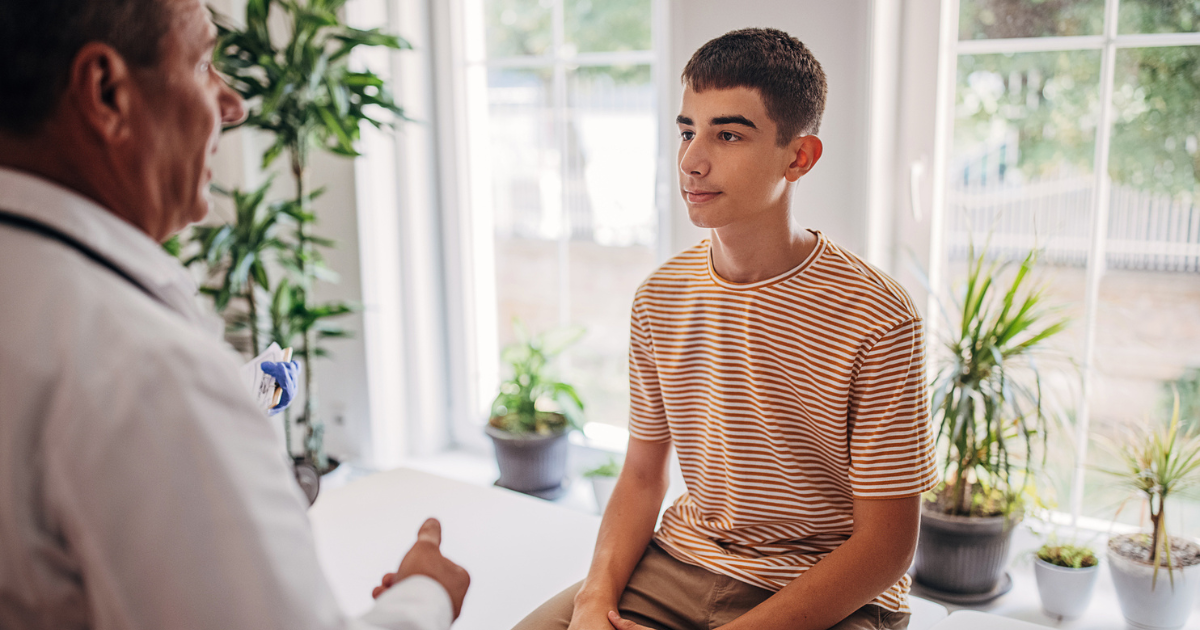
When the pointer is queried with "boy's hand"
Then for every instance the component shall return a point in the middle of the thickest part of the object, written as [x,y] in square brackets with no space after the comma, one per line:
[425,558]
[621,624]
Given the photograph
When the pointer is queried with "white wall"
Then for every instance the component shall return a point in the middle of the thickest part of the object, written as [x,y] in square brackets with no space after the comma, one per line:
[832,198]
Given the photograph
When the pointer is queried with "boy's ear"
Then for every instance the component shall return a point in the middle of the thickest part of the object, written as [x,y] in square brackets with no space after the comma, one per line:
[807,150]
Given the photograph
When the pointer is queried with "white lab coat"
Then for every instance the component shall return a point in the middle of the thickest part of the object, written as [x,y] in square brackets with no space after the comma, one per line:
[140,487]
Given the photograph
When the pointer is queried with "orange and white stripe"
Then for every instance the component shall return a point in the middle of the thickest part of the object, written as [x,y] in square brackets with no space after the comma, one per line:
[785,400]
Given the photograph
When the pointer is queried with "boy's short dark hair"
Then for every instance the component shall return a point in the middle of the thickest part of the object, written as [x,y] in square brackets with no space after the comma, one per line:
[40,38]
[783,70]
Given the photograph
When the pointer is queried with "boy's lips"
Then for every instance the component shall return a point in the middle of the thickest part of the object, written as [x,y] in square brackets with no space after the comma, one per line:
[700,196]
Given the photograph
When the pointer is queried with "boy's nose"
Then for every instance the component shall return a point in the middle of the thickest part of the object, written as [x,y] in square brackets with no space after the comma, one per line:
[693,161]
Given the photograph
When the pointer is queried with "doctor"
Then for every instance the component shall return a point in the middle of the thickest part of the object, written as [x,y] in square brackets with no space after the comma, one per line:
[140,487]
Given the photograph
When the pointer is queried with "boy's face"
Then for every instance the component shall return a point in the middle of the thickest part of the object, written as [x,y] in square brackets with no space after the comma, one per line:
[731,170]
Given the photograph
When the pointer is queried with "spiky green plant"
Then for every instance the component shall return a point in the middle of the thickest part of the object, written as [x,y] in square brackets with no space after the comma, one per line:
[988,394]
[532,400]
[300,87]
[1157,464]
[236,254]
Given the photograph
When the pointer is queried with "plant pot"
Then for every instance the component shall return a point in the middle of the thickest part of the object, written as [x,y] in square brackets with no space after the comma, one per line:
[603,487]
[962,554]
[1065,591]
[1154,606]
[534,464]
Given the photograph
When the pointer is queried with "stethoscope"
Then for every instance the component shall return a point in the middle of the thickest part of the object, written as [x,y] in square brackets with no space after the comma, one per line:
[306,475]
[26,224]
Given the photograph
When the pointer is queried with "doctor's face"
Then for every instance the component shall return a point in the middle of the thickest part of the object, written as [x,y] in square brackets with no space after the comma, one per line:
[185,103]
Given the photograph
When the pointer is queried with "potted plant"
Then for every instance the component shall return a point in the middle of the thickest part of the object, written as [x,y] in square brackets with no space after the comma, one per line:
[989,409]
[1155,574]
[1065,576]
[291,62]
[533,413]
[604,479]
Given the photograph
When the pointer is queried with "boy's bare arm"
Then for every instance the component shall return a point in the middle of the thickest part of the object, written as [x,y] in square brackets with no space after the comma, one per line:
[625,531]
[871,561]
[874,558]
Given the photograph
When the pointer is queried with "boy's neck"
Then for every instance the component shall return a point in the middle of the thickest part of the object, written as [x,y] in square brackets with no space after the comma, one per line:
[746,254]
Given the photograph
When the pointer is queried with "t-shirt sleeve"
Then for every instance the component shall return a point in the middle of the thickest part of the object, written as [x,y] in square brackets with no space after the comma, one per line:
[891,440]
[647,415]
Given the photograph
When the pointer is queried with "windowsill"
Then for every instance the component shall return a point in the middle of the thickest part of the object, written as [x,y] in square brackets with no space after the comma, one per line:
[1021,603]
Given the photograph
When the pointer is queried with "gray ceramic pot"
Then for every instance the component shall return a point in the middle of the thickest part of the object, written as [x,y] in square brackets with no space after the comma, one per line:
[533,464]
[961,554]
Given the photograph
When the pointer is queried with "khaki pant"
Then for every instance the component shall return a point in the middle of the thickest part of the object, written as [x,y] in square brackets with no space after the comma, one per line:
[666,594]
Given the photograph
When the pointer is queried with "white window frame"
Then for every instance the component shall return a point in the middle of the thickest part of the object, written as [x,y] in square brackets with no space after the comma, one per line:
[461,84]
[949,50]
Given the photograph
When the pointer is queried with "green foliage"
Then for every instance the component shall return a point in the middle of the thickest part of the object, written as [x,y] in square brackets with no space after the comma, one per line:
[1069,556]
[1001,19]
[1185,389]
[173,245]
[608,469]
[1157,464]
[988,398]
[300,88]
[1052,99]
[532,400]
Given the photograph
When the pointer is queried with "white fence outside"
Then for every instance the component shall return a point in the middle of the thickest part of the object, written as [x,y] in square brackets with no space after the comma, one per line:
[1146,230]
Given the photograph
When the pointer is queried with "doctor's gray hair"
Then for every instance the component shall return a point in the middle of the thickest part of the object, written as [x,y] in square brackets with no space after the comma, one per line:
[40,38]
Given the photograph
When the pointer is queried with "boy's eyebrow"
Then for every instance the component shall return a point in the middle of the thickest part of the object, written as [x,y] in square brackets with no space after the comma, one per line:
[720,120]
[734,120]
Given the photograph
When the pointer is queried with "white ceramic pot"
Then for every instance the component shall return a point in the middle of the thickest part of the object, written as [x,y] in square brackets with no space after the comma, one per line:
[1163,606]
[1065,592]
[603,487]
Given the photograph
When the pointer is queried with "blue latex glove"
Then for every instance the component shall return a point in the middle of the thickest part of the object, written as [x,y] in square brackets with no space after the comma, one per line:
[285,374]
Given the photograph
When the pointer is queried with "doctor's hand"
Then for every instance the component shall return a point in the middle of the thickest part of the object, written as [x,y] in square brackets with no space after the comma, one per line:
[425,558]
[284,373]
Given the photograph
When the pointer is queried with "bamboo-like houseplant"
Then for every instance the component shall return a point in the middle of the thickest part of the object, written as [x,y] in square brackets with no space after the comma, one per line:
[1156,575]
[236,257]
[301,90]
[992,417]
[533,413]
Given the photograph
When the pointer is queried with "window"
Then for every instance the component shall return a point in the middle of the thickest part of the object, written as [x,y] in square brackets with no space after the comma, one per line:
[1075,129]
[563,123]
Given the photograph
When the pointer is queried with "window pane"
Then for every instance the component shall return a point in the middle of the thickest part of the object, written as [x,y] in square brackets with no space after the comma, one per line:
[519,27]
[575,219]
[526,197]
[1022,177]
[1148,337]
[1000,19]
[1159,16]
[610,181]
[607,25]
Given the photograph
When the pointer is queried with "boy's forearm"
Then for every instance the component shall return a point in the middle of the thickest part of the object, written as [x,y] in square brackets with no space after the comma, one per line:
[841,583]
[625,531]
[873,559]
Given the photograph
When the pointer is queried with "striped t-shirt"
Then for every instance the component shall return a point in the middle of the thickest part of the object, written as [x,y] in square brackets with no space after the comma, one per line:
[785,400]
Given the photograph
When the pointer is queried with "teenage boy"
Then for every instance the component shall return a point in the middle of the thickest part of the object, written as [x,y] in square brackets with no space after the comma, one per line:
[788,375]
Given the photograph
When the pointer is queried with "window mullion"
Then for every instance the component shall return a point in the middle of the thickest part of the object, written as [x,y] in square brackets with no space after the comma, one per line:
[1097,254]
[560,130]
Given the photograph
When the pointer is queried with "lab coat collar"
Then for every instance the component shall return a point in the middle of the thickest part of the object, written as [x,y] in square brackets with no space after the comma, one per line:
[118,241]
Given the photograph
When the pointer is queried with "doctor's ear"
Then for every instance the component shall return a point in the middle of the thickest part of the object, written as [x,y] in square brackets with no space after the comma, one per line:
[807,151]
[101,89]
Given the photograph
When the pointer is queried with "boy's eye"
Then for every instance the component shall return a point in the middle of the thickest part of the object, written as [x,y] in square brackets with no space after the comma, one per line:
[727,136]
[687,135]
